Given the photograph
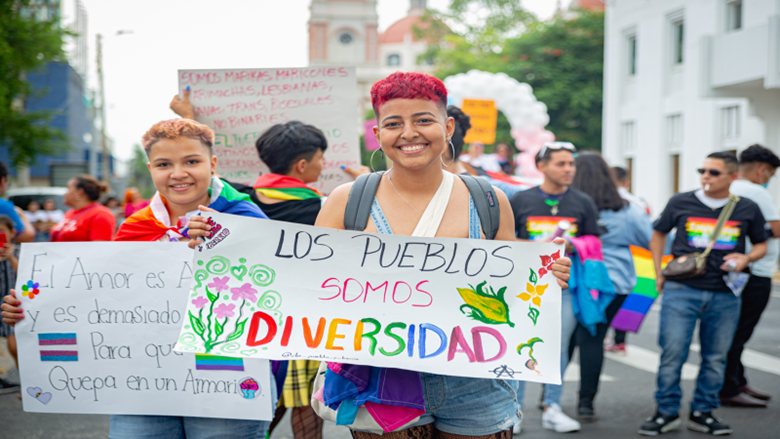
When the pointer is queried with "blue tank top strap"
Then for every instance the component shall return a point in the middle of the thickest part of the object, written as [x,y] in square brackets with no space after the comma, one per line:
[383,227]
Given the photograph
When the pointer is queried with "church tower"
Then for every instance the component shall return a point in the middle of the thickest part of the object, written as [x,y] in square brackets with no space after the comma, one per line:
[343,32]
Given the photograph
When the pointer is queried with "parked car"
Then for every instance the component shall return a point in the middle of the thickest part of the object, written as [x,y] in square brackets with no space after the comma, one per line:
[21,197]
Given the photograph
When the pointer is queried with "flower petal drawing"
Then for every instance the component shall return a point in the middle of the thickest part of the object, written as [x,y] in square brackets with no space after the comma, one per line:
[220,284]
[537,301]
[525,297]
[200,301]
[245,292]
[223,310]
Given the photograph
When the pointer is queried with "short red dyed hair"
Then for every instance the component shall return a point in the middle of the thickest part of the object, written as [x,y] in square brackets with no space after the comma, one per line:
[401,85]
[176,129]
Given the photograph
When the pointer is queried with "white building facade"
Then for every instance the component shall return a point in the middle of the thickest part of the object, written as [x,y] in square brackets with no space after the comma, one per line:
[683,79]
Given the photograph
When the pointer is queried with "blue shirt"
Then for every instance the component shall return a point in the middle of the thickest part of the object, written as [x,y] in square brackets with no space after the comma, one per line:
[7,208]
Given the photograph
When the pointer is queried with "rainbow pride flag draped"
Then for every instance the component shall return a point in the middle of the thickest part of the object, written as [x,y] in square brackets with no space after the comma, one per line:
[630,316]
[152,222]
[282,187]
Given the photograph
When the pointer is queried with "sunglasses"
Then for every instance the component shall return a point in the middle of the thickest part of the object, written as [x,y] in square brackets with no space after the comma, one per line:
[713,172]
[556,146]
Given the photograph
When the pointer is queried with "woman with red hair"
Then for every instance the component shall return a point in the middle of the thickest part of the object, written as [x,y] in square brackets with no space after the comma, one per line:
[413,130]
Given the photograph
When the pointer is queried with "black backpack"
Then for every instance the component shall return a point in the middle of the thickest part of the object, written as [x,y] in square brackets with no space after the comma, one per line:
[361,197]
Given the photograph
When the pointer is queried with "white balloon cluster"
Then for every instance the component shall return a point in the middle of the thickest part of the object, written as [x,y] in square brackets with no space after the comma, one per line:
[515,99]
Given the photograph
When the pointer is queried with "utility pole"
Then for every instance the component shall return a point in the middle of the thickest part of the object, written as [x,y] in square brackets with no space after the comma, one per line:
[106,162]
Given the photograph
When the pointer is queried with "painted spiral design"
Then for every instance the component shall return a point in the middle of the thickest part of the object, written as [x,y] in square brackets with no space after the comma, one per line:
[218,265]
[230,348]
[270,300]
[262,276]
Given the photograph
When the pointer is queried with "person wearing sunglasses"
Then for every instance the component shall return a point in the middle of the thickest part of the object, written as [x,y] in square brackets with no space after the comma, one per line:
[538,213]
[705,298]
[757,165]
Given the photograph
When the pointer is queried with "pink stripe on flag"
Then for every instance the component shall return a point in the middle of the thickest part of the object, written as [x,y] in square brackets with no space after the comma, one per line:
[57,341]
[59,353]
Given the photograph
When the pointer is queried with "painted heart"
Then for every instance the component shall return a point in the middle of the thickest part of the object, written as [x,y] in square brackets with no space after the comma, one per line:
[239,272]
[249,352]
[39,394]
[45,397]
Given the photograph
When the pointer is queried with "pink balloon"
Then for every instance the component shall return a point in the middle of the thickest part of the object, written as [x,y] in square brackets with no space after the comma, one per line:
[530,140]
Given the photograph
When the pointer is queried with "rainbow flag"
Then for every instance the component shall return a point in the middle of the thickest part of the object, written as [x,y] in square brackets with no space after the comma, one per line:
[58,346]
[216,362]
[629,317]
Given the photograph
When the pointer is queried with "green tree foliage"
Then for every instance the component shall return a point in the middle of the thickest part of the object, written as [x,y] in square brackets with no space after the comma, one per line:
[27,43]
[139,173]
[561,59]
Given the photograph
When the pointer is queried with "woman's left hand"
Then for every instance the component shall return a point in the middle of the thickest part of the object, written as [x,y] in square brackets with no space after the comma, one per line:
[561,267]
[199,227]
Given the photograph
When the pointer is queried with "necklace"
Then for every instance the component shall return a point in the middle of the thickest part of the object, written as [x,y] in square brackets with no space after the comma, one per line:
[552,200]
[399,194]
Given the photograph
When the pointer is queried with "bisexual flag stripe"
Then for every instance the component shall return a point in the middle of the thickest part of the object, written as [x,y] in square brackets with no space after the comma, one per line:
[58,346]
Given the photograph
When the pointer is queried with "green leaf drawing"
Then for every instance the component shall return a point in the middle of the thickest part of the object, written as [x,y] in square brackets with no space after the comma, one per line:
[238,332]
[220,328]
[212,297]
[487,307]
[197,326]
[533,279]
[533,313]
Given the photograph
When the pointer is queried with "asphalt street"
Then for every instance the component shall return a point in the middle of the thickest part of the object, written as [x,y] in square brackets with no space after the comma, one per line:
[625,397]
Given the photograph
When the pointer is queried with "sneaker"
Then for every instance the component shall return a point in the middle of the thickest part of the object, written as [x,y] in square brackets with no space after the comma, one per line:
[708,423]
[519,426]
[6,387]
[659,424]
[586,413]
[554,419]
[618,348]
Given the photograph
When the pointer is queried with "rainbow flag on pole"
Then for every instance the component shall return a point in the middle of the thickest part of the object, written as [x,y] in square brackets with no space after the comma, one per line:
[629,317]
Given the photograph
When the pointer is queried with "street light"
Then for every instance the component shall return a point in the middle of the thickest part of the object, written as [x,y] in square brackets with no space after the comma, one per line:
[104,144]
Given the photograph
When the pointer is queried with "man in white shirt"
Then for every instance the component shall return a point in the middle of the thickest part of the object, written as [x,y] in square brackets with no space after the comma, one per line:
[757,165]
[623,182]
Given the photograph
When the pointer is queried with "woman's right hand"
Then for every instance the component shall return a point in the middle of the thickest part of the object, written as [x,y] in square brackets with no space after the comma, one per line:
[11,311]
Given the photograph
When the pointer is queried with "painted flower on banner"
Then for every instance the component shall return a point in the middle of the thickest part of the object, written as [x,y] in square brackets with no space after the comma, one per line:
[246,292]
[533,293]
[30,289]
[223,310]
[547,262]
[220,284]
[200,301]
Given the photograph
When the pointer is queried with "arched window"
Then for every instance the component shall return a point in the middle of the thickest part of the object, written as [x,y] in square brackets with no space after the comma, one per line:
[345,37]
[394,60]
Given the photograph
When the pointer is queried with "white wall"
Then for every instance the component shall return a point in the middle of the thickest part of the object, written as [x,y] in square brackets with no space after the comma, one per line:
[661,89]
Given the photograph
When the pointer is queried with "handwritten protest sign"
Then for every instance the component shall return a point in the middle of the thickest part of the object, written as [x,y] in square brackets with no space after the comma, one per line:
[100,323]
[239,105]
[463,307]
[484,119]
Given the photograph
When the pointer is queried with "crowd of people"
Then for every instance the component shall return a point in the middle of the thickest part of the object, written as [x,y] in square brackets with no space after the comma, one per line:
[581,198]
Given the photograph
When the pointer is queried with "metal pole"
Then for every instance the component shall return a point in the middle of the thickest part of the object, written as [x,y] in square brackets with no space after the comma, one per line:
[106,163]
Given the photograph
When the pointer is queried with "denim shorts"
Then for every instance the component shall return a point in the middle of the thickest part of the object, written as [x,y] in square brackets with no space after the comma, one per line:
[469,406]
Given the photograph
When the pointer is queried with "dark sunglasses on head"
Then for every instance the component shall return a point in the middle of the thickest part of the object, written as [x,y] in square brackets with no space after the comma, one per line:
[713,172]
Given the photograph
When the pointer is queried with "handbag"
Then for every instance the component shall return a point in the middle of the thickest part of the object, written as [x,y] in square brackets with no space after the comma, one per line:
[694,265]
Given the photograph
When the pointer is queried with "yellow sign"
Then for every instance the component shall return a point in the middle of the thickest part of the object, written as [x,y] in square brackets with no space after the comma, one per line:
[484,117]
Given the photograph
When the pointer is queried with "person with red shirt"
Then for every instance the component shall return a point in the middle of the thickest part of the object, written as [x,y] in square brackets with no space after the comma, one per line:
[88,220]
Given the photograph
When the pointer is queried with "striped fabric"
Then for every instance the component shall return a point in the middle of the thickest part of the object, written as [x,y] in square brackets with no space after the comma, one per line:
[153,223]
[630,316]
[282,187]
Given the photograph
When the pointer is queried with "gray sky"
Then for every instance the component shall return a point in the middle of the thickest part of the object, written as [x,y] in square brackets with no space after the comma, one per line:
[140,68]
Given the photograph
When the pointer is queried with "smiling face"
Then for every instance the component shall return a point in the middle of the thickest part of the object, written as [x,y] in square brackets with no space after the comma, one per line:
[181,171]
[413,132]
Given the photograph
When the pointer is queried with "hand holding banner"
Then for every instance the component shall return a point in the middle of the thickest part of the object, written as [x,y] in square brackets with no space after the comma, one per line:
[475,308]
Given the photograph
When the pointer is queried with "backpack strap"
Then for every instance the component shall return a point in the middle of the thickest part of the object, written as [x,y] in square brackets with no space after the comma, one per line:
[361,197]
[486,202]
